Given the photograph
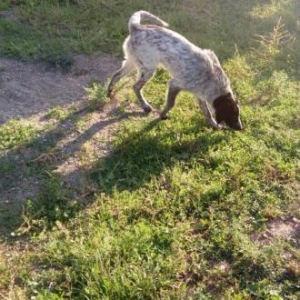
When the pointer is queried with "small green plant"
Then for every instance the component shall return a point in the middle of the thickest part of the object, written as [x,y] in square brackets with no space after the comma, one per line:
[59,113]
[97,95]
[54,204]
[269,52]
[15,133]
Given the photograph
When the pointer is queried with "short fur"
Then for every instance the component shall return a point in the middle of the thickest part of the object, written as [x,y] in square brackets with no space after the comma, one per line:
[191,68]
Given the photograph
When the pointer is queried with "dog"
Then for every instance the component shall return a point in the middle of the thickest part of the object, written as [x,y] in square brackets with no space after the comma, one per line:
[191,68]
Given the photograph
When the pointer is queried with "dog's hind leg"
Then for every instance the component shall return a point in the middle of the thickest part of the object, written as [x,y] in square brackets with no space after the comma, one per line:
[171,96]
[127,67]
[144,76]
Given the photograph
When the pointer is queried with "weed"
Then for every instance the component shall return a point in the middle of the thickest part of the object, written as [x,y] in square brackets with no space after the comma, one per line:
[270,50]
[97,95]
[59,113]
[54,204]
[15,133]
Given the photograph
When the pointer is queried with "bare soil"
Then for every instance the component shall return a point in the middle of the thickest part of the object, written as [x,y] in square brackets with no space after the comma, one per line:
[28,89]
[285,229]
[27,92]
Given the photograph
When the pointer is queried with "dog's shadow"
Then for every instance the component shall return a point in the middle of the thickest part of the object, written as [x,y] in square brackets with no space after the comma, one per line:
[144,155]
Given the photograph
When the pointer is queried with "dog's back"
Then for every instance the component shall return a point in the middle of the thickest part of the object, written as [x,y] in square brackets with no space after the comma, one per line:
[150,45]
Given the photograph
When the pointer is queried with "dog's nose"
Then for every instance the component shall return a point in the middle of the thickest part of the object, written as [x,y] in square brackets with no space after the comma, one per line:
[236,125]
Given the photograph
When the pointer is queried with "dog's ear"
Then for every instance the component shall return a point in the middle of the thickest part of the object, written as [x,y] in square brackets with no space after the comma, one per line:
[222,108]
[227,111]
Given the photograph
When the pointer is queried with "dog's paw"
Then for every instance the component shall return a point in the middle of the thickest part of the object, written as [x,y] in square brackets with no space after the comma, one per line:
[164,116]
[217,126]
[147,109]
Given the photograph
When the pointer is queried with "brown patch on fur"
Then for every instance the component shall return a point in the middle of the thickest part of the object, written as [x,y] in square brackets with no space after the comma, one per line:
[227,111]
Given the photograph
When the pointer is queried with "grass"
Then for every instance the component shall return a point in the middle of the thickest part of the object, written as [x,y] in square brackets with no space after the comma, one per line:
[83,26]
[174,210]
[15,132]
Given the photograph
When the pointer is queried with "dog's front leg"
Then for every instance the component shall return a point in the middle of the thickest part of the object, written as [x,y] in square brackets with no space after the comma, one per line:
[208,115]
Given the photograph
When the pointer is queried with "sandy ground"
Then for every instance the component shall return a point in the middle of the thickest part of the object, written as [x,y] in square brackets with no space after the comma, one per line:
[27,89]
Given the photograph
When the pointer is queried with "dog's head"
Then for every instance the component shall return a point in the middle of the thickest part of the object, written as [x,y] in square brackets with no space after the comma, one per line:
[228,111]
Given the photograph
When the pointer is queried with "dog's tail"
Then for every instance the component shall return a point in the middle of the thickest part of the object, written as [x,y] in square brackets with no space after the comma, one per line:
[135,19]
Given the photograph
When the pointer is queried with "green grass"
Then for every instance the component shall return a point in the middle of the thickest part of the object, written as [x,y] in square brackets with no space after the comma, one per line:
[97,95]
[15,133]
[52,30]
[171,211]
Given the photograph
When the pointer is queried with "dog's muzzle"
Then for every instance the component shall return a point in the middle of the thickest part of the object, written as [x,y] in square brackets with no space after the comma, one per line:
[238,125]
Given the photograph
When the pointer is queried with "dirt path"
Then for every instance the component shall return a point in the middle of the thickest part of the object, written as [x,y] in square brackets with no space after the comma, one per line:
[27,89]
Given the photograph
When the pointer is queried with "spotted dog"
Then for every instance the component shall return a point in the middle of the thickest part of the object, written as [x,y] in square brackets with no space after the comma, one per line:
[191,68]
